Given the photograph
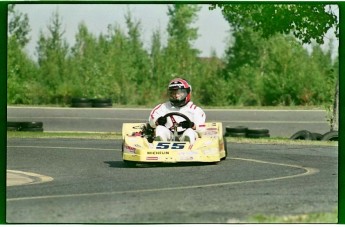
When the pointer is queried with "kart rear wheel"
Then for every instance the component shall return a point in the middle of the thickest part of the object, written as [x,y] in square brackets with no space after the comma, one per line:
[225,148]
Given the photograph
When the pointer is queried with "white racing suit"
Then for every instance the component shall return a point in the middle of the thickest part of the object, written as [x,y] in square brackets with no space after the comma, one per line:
[193,112]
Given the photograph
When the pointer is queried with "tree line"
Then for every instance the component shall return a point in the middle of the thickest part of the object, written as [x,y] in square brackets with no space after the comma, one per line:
[253,71]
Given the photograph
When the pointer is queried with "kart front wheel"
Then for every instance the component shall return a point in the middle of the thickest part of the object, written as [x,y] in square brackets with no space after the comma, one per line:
[129,163]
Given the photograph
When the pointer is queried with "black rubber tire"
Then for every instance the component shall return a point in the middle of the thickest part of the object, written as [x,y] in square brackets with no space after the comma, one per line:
[262,135]
[238,129]
[236,134]
[125,162]
[260,131]
[33,124]
[101,104]
[31,129]
[13,124]
[330,136]
[102,100]
[80,100]
[130,164]
[316,136]
[225,148]
[10,128]
[81,104]
[302,135]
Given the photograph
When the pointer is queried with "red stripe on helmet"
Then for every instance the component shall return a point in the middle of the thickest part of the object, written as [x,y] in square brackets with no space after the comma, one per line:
[185,83]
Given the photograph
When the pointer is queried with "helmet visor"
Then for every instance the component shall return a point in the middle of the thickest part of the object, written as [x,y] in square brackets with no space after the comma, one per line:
[177,94]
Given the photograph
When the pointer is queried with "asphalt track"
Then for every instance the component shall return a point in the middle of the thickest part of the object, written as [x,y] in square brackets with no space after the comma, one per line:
[281,123]
[85,181]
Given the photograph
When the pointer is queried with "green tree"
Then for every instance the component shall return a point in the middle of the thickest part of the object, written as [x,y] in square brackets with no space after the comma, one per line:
[21,81]
[213,89]
[287,69]
[157,65]
[274,71]
[54,72]
[86,63]
[307,22]
[139,62]
[18,26]
[179,53]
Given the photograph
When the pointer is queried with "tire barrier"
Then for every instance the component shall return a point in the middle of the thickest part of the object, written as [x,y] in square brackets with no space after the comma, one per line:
[307,135]
[316,136]
[32,126]
[102,102]
[239,131]
[257,133]
[330,136]
[302,135]
[243,131]
[86,102]
[13,126]
[81,102]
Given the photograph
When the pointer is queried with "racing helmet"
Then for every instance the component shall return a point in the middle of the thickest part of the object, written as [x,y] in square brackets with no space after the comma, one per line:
[179,92]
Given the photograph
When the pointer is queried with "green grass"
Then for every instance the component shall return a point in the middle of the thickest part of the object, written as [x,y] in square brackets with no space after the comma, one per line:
[77,135]
[279,141]
[204,107]
[117,135]
[331,217]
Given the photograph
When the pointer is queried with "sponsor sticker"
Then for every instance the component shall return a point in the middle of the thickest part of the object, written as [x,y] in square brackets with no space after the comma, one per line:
[187,155]
[133,139]
[158,152]
[211,151]
[130,149]
[187,158]
[208,142]
[210,133]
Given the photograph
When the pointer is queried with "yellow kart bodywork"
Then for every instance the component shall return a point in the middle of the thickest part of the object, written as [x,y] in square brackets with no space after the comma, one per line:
[209,147]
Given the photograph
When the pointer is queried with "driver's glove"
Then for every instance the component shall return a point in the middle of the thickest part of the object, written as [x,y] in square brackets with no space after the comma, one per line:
[161,121]
[186,124]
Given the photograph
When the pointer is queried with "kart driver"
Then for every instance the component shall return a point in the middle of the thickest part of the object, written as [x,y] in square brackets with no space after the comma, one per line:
[179,92]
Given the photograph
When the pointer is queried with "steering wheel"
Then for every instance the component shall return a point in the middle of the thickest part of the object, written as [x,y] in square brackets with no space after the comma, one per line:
[176,125]
[178,114]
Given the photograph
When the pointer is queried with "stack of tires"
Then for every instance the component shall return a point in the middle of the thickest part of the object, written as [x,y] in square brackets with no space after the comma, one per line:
[81,102]
[25,126]
[242,131]
[102,102]
[87,102]
[307,135]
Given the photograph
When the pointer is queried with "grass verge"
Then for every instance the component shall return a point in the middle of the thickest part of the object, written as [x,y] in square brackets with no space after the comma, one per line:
[280,141]
[117,135]
[324,218]
[72,135]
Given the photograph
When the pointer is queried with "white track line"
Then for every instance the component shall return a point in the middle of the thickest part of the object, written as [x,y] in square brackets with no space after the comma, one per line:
[307,171]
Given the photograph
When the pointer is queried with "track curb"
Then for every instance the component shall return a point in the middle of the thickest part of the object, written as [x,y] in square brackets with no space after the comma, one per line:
[14,178]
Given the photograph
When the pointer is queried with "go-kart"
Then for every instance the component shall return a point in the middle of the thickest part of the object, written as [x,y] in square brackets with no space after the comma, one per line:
[139,145]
